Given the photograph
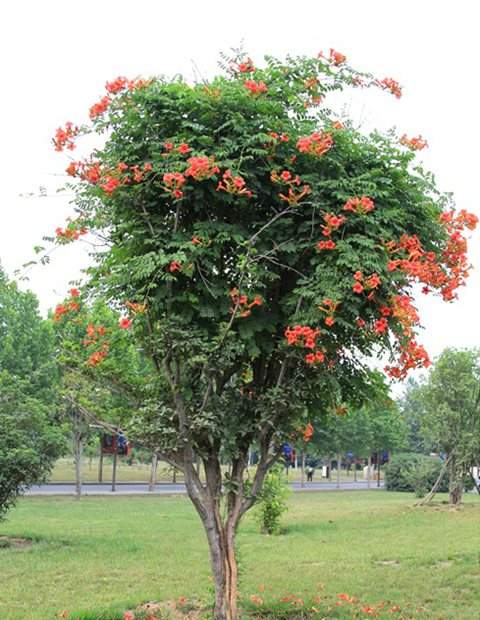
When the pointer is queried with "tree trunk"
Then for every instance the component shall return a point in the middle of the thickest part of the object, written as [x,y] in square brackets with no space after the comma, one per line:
[114,472]
[100,466]
[369,468]
[153,474]
[339,469]
[78,465]
[455,486]
[378,468]
[225,571]
[355,472]
[428,498]
[329,470]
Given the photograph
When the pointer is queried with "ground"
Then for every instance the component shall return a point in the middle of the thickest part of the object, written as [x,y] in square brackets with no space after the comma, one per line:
[64,471]
[103,553]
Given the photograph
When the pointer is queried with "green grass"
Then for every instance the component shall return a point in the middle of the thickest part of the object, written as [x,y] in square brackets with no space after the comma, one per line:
[64,471]
[112,553]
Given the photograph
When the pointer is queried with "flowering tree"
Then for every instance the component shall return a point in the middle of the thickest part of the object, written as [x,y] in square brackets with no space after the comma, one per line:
[265,249]
[88,335]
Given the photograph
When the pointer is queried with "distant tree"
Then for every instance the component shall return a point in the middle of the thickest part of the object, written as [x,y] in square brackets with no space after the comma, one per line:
[95,397]
[450,400]
[30,437]
[412,408]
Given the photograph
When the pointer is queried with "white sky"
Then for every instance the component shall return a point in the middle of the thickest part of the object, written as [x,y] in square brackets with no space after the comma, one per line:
[57,55]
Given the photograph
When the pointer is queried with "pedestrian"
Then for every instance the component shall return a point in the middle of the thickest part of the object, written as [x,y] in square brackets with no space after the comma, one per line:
[309,471]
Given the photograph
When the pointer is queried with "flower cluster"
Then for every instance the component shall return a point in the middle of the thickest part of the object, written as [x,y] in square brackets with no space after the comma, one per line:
[174,266]
[99,108]
[308,433]
[365,283]
[304,336]
[416,143]
[201,168]
[95,337]
[109,180]
[412,355]
[241,302]
[174,181]
[336,58]
[315,144]
[326,245]
[233,185]
[282,137]
[64,137]
[73,231]
[392,85]
[293,196]
[136,307]
[255,88]
[332,223]
[245,66]
[445,274]
[329,307]
[116,85]
[70,305]
[358,205]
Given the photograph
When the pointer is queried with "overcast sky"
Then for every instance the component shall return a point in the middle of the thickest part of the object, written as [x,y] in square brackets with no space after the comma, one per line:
[57,55]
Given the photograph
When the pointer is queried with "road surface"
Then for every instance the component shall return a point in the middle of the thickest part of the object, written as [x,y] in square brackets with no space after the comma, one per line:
[133,488]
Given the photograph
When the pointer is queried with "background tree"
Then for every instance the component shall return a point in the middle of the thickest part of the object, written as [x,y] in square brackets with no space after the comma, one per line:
[451,422]
[95,400]
[411,405]
[272,248]
[30,437]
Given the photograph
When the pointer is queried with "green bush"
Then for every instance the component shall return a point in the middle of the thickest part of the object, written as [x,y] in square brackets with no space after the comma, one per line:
[414,472]
[272,502]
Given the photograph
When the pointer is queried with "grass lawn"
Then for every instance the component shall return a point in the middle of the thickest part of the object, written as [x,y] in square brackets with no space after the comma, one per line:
[64,471]
[103,552]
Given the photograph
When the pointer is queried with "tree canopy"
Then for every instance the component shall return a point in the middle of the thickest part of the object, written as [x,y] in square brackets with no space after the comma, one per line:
[30,437]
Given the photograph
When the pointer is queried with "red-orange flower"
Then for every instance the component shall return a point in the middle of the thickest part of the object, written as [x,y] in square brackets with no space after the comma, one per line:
[100,107]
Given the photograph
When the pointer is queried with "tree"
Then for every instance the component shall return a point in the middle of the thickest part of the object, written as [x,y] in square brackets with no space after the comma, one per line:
[30,439]
[265,249]
[84,334]
[412,408]
[451,402]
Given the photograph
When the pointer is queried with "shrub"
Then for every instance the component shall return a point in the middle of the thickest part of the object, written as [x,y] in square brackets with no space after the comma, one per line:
[414,472]
[272,502]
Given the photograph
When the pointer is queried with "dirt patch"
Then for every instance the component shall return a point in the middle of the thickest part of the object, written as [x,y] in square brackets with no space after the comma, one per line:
[11,542]
[395,563]
[171,610]
[444,564]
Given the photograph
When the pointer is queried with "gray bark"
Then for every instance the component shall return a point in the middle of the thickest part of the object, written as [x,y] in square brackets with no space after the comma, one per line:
[153,474]
[114,473]
[78,464]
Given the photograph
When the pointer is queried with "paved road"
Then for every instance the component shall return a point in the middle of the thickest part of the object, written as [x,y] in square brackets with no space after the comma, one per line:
[129,488]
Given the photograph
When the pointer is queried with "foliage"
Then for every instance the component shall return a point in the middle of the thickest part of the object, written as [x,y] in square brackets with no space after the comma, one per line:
[272,502]
[413,472]
[263,250]
[450,400]
[30,439]
[412,409]
[377,425]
